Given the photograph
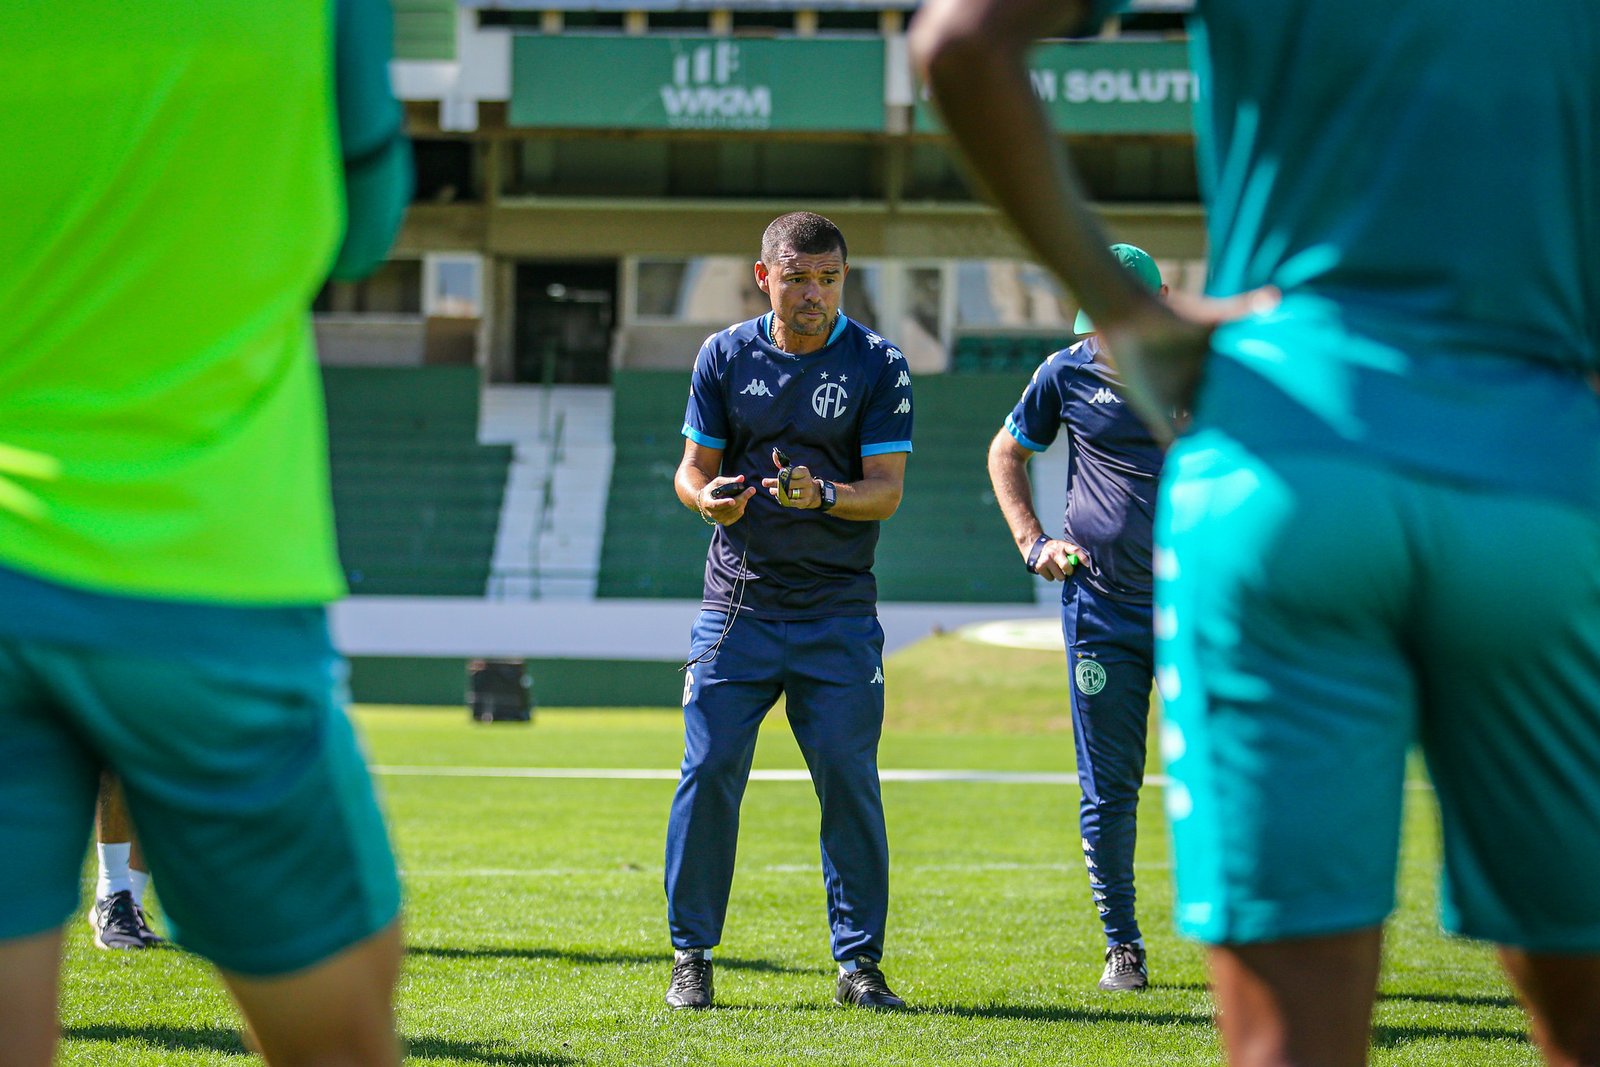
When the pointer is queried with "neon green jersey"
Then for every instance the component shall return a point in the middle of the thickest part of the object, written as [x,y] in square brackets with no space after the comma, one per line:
[172,202]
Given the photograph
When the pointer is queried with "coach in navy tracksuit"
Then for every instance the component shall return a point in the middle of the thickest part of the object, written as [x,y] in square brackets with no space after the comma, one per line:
[790,603]
[1104,558]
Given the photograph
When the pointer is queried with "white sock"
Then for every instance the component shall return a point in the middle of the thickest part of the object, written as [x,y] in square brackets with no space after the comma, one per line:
[681,952]
[113,870]
[137,881]
[846,966]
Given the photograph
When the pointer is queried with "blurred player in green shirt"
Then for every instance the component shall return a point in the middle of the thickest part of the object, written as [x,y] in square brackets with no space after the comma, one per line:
[181,179]
[1383,526]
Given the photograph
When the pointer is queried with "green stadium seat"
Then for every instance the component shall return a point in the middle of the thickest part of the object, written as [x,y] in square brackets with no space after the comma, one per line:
[416,497]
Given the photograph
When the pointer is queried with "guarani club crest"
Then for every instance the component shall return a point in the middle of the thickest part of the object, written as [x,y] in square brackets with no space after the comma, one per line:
[1090,677]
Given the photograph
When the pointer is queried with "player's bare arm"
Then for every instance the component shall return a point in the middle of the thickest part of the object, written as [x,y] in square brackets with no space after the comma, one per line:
[972,54]
[1013,489]
[698,475]
[876,495]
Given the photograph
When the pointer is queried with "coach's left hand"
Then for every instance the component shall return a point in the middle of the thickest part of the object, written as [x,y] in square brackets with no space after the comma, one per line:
[803,489]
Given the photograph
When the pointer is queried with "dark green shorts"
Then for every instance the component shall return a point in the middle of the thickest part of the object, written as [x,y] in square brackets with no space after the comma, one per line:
[247,785]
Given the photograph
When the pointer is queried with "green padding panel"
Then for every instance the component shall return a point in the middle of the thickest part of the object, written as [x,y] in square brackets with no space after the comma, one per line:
[425,29]
[946,543]
[557,683]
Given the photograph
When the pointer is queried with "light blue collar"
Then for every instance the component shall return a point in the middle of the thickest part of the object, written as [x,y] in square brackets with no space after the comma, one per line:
[838,328]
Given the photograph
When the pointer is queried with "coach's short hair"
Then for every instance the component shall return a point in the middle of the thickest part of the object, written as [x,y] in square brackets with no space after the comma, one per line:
[804,231]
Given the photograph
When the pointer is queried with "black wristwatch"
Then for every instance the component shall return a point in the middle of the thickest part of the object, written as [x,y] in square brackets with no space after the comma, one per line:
[830,495]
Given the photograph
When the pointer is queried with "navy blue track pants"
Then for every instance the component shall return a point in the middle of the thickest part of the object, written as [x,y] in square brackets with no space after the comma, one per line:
[831,672]
[1110,650]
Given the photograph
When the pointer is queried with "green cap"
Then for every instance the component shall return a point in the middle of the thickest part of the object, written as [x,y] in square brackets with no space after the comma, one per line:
[1144,268]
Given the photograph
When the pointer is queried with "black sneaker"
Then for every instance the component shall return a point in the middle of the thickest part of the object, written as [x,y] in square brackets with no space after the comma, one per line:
[150,938]
[1125,970]
[865,987]
[691,980]
[116,921]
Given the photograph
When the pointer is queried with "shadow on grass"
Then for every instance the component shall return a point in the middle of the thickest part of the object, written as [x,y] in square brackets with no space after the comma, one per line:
[1474,1000]
[511,952]
[1015,1012]
[171,1038]
[441,1048]
[1393,996]
[1392,1036]
[226,1039]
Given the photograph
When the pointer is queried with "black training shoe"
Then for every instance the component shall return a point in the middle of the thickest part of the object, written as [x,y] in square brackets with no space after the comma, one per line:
[691,980]
[116,921]
[150,938]
[1125,970]
[865,987]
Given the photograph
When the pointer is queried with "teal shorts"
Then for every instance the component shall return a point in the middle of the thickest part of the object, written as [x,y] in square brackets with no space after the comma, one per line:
[246,782]
[1318,614]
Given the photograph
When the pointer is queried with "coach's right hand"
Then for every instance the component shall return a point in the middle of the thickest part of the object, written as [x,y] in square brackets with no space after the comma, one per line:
[723,512]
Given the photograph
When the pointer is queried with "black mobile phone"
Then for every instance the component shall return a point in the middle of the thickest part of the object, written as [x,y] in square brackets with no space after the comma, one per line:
[727,490]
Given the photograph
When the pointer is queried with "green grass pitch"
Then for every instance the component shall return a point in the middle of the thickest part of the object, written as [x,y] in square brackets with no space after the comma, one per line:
[536,931]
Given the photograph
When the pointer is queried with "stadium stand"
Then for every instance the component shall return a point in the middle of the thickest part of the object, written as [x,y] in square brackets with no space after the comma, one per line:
[947,543]
[416,497]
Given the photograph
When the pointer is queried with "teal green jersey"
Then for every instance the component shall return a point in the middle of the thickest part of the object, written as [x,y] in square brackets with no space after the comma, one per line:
[1429,167]
[1422,182]
[173,200]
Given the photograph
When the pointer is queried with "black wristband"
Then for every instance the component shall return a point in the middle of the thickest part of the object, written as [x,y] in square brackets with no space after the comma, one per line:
[1035,552]
[829,495]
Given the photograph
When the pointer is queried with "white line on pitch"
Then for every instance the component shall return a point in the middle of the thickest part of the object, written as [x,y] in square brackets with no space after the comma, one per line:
[796,775]
[775,868]
[1157,781]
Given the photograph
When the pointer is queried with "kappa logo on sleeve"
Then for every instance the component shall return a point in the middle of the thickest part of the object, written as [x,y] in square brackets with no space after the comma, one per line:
[903,408]
[756,388]
[877,676]
[904,379]
[1104,396]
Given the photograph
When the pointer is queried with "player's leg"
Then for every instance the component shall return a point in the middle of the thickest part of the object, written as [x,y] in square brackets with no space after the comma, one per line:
[248,783]
[1511,730]
[1306,1002]
[724,701]
[117,915]
[344,1003]
[30,973]
[47,795]
[1562,996]
[835,690]
[1289,707]
[1109,665]
[139,879]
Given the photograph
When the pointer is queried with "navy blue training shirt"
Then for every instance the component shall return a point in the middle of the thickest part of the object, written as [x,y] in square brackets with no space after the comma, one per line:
[1112,470]
[827,409]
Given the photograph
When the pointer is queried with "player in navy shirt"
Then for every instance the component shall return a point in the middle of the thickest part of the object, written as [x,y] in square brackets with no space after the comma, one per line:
[805,417]
[1104,559]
